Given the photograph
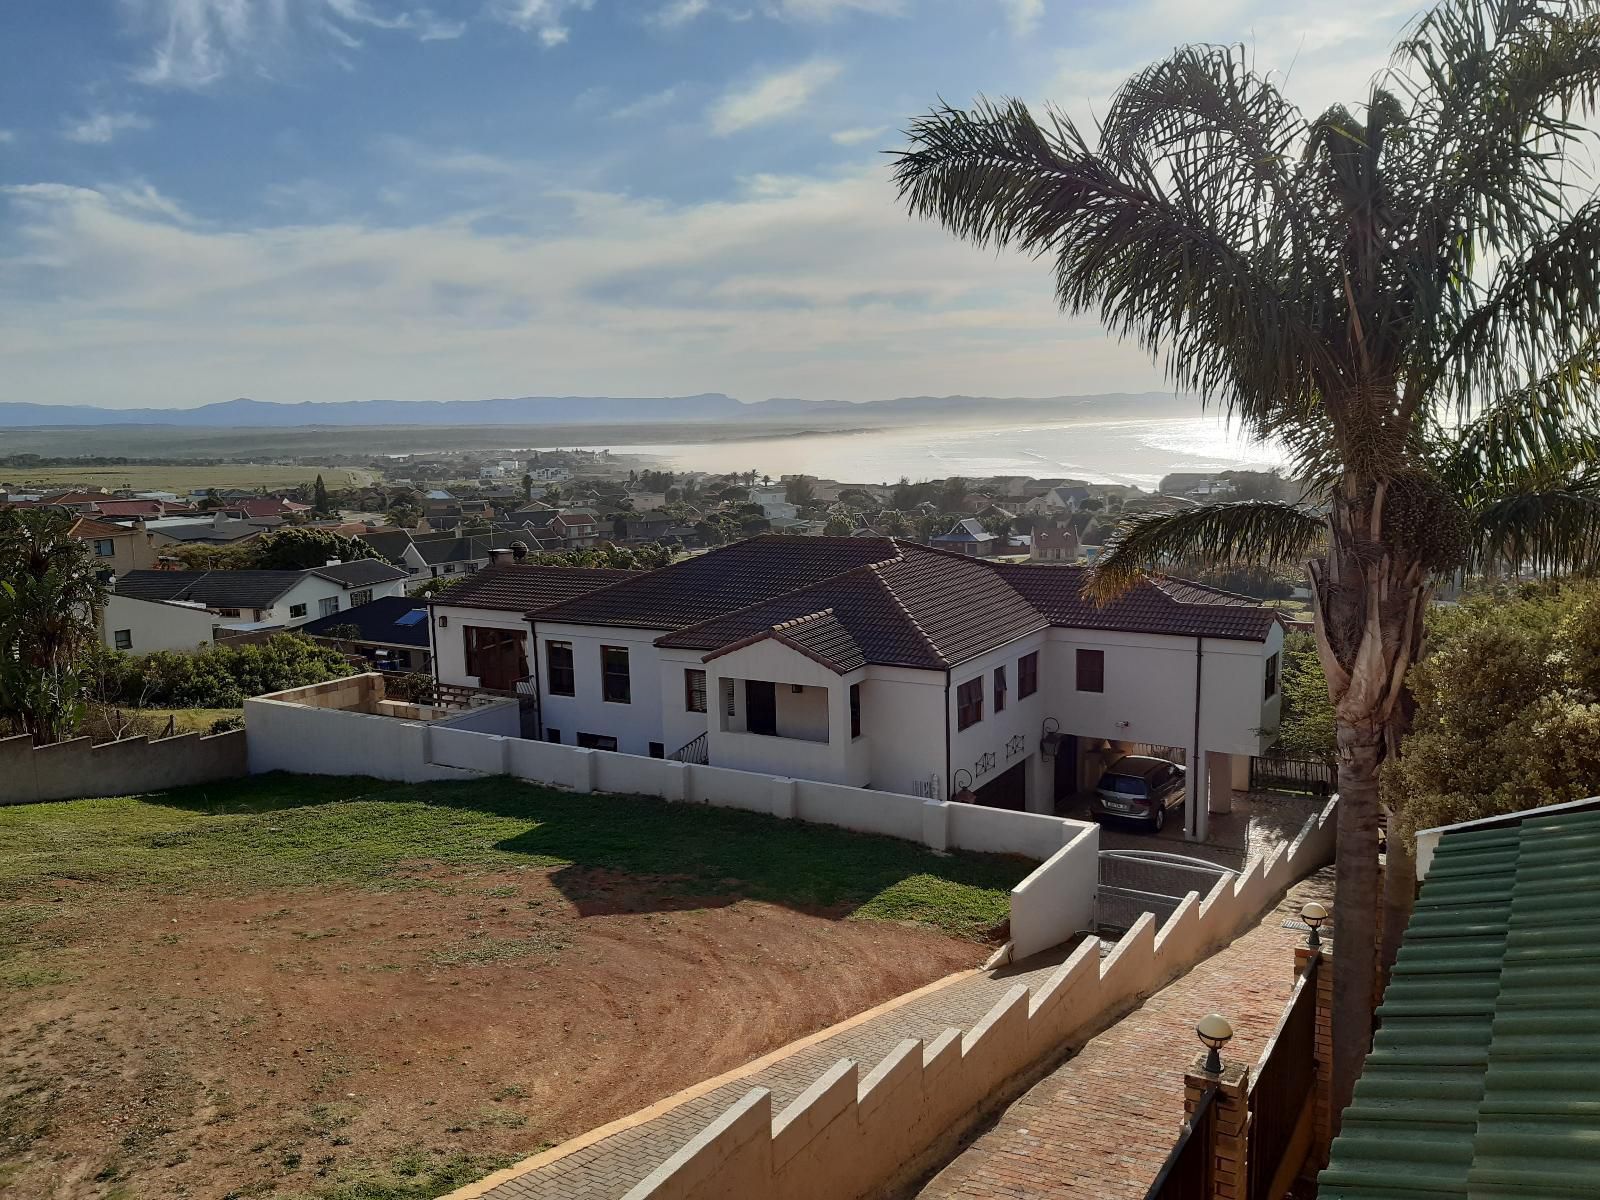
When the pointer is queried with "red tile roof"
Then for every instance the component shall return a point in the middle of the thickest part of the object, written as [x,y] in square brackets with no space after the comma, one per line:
[88,527]
[526,587]
[1177,607]
[129,508]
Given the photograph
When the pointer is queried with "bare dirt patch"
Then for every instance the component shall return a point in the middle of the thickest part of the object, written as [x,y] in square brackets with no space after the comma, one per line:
[312,1042]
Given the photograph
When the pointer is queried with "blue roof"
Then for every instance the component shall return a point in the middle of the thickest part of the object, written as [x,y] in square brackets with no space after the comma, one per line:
[388,620]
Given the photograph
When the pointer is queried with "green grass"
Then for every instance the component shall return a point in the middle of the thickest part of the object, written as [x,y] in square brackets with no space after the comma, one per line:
[183,478]
[284,831]
[189,720]
[413,1176]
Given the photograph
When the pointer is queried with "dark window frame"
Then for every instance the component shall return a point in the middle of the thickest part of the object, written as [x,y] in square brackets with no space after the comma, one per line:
[1027,675]
[122,639]
[694,690]
[597,741]
[969,703]
[556,674]
[616,687]
[855,710]
[1090,670]
[999,687]
[1274,666]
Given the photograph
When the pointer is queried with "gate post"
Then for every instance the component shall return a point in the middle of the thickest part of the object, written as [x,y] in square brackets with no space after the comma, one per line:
[1230,1124]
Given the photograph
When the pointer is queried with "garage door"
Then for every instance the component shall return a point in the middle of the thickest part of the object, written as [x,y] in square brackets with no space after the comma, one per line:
[1008,790]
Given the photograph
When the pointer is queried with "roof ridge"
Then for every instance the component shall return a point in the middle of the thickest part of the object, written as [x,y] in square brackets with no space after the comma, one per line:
[888,590]
[793,621]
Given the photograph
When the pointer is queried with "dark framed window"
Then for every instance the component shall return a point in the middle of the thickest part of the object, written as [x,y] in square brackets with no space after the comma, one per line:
[658,750]
[855,710]
[596,741]
[498,657]
[552,735]
[1272,676]
[694,690]
[969,703]
[999,689]
[1091,670]
[123,638]
[1027,675]
[616,685]
[558,669]
[297,610]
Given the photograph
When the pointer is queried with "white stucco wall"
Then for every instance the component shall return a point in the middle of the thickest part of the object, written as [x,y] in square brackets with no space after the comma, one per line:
[804,719]
[449,651]
[994,734]
[902,723]
[635,724]
[156,626]
[679,726]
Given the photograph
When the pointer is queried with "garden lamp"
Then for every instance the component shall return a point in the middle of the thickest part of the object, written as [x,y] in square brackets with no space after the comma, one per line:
[1314,915]
[1214,1031]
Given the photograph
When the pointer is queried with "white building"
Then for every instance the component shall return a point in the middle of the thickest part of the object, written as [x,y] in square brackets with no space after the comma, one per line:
[145,626]
[882,664]
[270,599]
[774,503]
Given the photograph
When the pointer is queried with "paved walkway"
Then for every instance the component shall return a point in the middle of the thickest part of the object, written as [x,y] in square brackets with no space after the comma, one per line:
[1100,1126]
[609,1167]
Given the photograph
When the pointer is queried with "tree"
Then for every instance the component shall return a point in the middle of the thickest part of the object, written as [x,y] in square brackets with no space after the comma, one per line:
[50,597]
[300,548]
[893,522]
[839,525]
[1508,709]
[552,494]
[1307,728]
[800,489]
[319,497]
[403,516]
[953,494]
[1409,300]
[527,486]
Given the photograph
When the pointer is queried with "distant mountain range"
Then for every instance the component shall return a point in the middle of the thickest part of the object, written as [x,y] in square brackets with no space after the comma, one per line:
[578,410]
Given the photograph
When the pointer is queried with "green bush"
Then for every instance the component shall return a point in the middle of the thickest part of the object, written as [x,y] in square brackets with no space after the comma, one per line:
[217,677]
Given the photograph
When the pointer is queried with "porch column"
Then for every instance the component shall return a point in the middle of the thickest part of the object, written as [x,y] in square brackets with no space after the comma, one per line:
[1219,781]
[1196,825]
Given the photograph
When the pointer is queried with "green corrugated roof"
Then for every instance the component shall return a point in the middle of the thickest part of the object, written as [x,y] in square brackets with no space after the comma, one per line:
[1484,1079]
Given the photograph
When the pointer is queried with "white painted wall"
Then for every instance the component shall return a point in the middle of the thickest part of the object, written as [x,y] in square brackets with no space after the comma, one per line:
[1051,905]
[679,726]
[635,724]
[902,724]
[156,626]
[1021,718]
[449,649]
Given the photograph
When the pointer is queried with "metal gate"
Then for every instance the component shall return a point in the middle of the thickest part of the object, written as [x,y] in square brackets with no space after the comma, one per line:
[1134,882]
[1268,774]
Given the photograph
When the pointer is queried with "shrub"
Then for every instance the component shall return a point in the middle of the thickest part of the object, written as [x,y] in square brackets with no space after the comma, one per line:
[216,677]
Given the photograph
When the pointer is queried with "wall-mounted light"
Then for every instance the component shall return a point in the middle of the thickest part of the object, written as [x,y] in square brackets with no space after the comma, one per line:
[1214,1031]
[444,621]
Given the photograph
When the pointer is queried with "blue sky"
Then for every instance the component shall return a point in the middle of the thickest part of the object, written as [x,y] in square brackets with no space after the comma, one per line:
[358,199]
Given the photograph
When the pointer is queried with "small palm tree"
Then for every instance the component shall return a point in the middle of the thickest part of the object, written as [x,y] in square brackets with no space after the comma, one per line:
[1410,297]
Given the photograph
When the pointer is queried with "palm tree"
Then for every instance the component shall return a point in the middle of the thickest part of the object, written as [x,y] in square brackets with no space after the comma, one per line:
[1364,286]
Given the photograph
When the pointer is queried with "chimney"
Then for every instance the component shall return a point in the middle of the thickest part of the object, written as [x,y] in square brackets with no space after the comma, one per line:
[499,558]
[333,562]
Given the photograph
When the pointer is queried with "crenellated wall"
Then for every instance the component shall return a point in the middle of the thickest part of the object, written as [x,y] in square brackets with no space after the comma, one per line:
[851,1135]
[73,769]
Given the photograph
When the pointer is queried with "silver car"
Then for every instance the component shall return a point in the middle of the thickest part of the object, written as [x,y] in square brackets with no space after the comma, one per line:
[1139,788]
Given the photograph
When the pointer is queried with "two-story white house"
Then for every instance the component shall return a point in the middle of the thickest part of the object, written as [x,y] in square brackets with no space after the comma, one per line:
[879,663]
[270,599]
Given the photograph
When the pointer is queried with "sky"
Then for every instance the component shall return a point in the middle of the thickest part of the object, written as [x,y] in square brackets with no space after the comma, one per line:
[380,199]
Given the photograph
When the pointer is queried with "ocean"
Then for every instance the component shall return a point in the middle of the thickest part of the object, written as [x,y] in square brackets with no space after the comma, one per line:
[1136,452]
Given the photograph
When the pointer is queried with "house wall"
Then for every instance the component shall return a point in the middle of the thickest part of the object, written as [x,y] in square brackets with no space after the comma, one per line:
[636,724]
[130,551]
[850,1135]
[70,770]
[994,735]
[679,726]
[902,722]
[154,626]
[449,650]
[813,740]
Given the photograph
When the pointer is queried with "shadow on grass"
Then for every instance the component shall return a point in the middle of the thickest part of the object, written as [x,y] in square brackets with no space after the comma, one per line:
[617,853]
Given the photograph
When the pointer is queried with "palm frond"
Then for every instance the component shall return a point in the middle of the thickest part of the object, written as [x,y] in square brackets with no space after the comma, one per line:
[1547,533]
[1253,532]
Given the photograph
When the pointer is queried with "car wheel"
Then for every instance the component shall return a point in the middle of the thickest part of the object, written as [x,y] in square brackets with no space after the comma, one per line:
[1161,817]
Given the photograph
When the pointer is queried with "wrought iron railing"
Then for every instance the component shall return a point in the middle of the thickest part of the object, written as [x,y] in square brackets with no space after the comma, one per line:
[697,751]
[1186,1175]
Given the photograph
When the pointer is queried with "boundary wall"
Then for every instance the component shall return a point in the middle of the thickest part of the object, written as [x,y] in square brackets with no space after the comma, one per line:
[74,769]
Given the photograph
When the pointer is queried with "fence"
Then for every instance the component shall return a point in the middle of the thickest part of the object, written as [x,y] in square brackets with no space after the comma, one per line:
[1282,1091]
[1187,1174]
[1268,774]
[69,770]
[844,1139]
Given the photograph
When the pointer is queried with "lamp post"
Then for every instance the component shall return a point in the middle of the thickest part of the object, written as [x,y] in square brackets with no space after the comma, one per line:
[1214,1031]
[1314,914]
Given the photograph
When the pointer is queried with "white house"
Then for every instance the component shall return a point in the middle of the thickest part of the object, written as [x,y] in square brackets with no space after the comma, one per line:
[878,663]
[774,503]
[145,626]
[270,599]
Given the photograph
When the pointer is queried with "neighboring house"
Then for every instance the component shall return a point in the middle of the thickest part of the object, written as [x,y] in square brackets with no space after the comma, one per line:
[480,631]
[392,631]
[265,510]
[145,626]
[128,509]
[1482,1078]
[550,474]
[216,530]
[577,528]
[878,663]
[117,549]
[968,536]
[1054,545]
[773,503]
[271,599]
[1062,499]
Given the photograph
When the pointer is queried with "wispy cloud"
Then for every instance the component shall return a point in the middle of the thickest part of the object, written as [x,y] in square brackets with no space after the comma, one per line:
[1023,15]
[648,105]
[772,97]
[827,10]
[861,133]
[545,19]
[7,136]
[679,12]
[99,128]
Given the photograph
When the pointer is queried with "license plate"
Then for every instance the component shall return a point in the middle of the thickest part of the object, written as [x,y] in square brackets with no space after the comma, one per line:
[1116,805]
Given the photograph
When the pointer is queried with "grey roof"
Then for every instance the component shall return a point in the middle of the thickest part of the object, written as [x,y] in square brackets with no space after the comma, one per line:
[217,532]
[391,543]
[360,572]
[968,529]
[1484,1078]
[214,589]
[388,620]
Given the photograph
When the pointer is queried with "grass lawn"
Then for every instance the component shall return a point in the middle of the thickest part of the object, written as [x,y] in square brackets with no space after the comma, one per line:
[190,720]
[310,988]
[144,477]
[286,831]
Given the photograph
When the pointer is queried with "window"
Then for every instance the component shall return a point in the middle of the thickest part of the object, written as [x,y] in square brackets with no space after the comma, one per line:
[728,702]
[969,703]
[1272,676]
[228,612]
[104,548]
[357,599]
[658,750]
[123,639]
[296,611]
[558,668]
[999,689]
[1027,675]
[497,657]
[694,690]
[615,685]
[449,568]
[552,735]
[596,741]
[1091,670]
[855,710]
[327,606]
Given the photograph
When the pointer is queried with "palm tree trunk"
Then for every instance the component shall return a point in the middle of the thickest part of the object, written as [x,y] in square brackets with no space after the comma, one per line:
[1399,896]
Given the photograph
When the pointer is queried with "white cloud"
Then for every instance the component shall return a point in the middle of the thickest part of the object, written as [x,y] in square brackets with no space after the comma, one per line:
[797,285]
[679,12]
[7,136]
[861,133]
[772,97]
[99,128]
[546,19]
[195,43]
[648,105]
[1024,15]
[827,10]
